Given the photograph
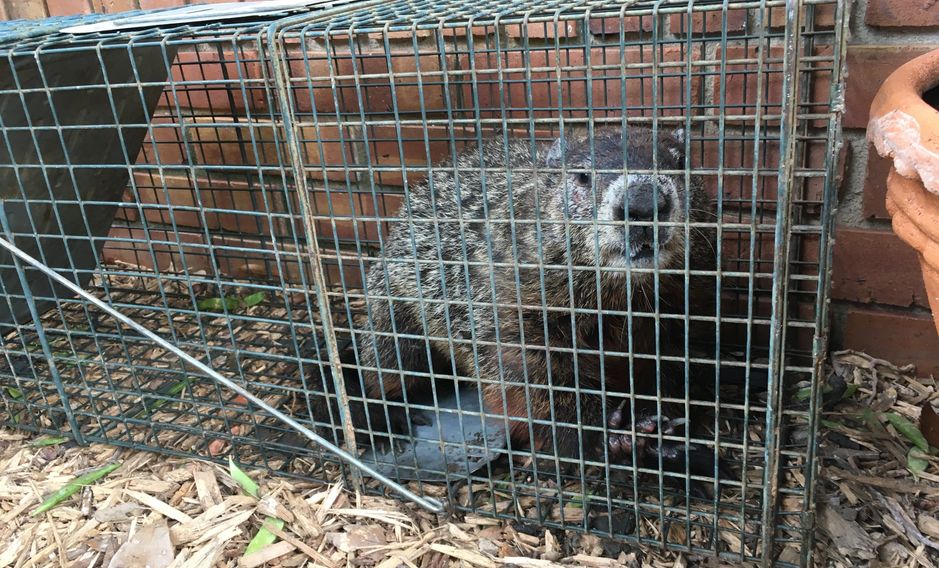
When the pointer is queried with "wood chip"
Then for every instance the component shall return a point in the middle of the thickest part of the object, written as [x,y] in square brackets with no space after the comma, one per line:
[474,558]
[207,488]
[150,546]
[271,507]
[584,560]
[310,552]
[199,530]
[863,479]
[525,562]
[159,506]
[929,525]
[847,536]
[266,554]
[210,552]
[122,512]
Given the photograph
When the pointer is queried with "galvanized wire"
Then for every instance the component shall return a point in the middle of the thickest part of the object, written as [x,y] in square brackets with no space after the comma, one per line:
[263,164]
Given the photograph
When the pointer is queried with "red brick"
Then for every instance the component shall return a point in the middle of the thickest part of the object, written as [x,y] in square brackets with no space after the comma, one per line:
[153,4]
[737,335]
[221,140]
[192,73]
[114,6]
[371,71]
[738,180]
[401,36]
[229,141]
[875,185]
[902,13]
[68,7]
[873,266]
[628,24]
[221,201]
[139,252]
[736,246]
[710,22]
[739,88]
[868,67]
[234,263]
[163,144]
[901,338]
[477,31]
[187,248]
[545,30]
[824,16]
[25,9]
[128,208]
[386,149]
[507,94]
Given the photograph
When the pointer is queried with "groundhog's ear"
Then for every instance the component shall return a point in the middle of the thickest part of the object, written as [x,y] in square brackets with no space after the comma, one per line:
[555,156]
[676,143]
[679,136]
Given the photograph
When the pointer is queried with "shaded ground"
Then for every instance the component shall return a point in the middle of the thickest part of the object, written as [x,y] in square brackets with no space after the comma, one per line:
[872,509]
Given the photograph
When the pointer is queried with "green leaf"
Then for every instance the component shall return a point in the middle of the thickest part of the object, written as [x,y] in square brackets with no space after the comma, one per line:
[849,391]
[247,484]
[254,299]
[873,422]
[915,462]
[806,393]
[264,536]
[178,387]
[831,424]
[48,441]
[14,392]
[73,486]
[215,304]
[909,430]
[173,390]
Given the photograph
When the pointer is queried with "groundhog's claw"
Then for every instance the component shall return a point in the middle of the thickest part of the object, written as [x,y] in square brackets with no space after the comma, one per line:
[700,461]
[621,445]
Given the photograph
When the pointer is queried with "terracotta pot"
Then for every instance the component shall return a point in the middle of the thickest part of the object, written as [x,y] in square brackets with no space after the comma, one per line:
[903,126]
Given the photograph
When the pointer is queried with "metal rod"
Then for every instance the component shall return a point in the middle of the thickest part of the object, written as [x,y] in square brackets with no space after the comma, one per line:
[428,503]
[777,353]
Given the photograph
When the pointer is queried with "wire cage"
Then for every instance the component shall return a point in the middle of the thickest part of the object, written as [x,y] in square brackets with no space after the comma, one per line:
[390,224]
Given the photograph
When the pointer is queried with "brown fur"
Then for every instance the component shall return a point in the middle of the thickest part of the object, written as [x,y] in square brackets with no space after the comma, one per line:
[469,256]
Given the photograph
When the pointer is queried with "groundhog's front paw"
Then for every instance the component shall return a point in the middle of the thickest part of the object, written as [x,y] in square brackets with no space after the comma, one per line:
[676,456]
[620,445]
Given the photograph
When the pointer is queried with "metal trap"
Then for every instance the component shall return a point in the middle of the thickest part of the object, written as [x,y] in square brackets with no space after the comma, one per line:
[207,224]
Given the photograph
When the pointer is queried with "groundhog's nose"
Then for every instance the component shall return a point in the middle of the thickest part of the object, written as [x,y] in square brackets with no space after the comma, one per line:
[644,201]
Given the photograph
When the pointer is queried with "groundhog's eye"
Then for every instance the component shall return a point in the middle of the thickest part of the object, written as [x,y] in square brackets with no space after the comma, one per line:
[583,178]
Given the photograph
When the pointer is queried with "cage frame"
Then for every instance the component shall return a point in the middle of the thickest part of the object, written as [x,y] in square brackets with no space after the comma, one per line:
[272,47]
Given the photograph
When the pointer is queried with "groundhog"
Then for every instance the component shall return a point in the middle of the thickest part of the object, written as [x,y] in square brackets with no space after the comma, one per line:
[521,272]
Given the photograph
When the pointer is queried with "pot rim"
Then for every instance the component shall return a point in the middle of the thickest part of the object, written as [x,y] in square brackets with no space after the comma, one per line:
[904,88]
[905,127]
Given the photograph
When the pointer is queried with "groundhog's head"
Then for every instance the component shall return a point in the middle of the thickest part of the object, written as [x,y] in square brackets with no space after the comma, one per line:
[621,194]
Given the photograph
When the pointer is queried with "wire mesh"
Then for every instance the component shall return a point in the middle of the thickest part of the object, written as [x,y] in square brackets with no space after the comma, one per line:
[395,220]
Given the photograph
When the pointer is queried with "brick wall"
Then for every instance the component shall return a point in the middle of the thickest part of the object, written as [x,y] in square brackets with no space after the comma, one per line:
[879,304]
[13,9]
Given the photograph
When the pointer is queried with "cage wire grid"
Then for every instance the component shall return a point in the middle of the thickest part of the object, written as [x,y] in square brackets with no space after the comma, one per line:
[228,186]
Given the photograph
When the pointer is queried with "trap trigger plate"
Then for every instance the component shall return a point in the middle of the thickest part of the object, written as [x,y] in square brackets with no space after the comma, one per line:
[457,440]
